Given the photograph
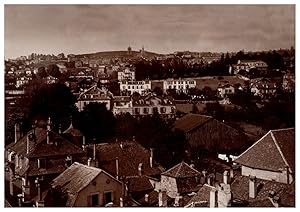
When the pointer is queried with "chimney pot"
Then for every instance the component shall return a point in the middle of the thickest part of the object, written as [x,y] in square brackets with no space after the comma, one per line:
[117,167]
[121,202]
[225,177]
[151,157]
[212,198]
[252,187]
[140,168]
[146,197]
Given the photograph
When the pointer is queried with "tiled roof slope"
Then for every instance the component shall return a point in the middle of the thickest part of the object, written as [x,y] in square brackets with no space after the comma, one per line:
[39,146]
[76,177]
[130,155]
[274,151]
[286,192]
[181,170]
[191,121]
[138,183]
[73,131]
[202,197]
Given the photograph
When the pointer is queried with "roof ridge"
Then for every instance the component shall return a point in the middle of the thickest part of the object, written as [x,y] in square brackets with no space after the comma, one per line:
[281,129]
[252,145]
[171,168]
[280,152]
[180,166]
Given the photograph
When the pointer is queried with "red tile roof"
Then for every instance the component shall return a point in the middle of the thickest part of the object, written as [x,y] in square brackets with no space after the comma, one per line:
[40,148]
[76,178]
[274,151]
[286,192]
[130,155]
[181,170]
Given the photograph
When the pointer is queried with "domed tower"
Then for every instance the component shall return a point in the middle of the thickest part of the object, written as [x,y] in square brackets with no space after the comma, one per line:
[129,52]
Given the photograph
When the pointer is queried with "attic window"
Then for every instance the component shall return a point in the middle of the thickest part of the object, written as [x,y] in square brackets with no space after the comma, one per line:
[42,163]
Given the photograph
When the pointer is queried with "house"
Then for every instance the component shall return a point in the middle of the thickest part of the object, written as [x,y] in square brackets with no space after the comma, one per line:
[249,64]
[122,105]
[224,90]
[288,82]
[41,154]
[249,191]
[145,105]
[263,87]
[94,94]
[207,133]
[129,162]
[22,81]
[130,87]
[126,75]
[50,80]
[180,85]
[86,186]
[272,157]
[180,179]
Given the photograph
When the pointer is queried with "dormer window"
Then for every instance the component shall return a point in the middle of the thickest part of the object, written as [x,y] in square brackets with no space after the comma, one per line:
[42,163]
[69,160]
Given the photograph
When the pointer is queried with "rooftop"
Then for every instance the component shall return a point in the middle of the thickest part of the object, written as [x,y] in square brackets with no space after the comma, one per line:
[191,121]
[274,151]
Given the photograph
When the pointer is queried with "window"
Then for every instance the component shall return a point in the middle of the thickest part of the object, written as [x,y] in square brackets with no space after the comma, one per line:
[107,197]
[137,110]
[146,110]
[95,200]
[155,110]
[128,86]
[162,110]
[41,163]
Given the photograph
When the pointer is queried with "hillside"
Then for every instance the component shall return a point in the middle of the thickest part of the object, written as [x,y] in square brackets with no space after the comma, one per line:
[112,54]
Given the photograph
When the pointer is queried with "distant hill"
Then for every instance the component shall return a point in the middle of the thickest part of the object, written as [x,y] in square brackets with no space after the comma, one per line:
[112,54]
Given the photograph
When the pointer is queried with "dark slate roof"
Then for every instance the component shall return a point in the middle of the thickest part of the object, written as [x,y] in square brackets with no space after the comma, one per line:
[73,131]
[76,178]
[181,170]
[201,199]
[40,148]
[138,183]
[286,192]
[187,185]
[274,151]
[191,121]
[130,155]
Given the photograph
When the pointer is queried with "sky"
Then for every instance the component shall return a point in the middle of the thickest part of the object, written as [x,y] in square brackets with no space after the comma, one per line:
[52,29]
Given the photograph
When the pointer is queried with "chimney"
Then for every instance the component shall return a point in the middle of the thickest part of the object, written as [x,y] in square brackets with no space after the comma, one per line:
[83,140]
[252,187]
[133,138]
[209,180]
[117,167]
[38,185]
[212,197]
[147,198]
[48,137]
[224,196]
[59,129]
[49,124]
[94,152]
[121,202]
[225,177]
[90,162]
[231,173]
[17,132]
[162,198]
[151,157]
[140,169]
[28,143]
[176,202]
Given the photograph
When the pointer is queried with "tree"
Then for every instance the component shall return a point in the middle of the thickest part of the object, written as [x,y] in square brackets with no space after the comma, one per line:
[215,110]
[96,122]
[55,101]
[158,91]
[53,70]
[42,73]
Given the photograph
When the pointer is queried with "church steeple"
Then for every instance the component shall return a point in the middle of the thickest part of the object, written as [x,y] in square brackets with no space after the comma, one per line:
[129,50]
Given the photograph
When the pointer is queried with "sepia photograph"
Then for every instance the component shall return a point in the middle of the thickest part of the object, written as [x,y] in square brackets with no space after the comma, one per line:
[156,105]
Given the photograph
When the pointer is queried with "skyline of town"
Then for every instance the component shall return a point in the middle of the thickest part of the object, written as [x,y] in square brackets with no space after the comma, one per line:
[161,29]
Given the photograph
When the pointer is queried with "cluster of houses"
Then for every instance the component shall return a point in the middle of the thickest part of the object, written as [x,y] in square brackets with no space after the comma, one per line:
[46,168]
